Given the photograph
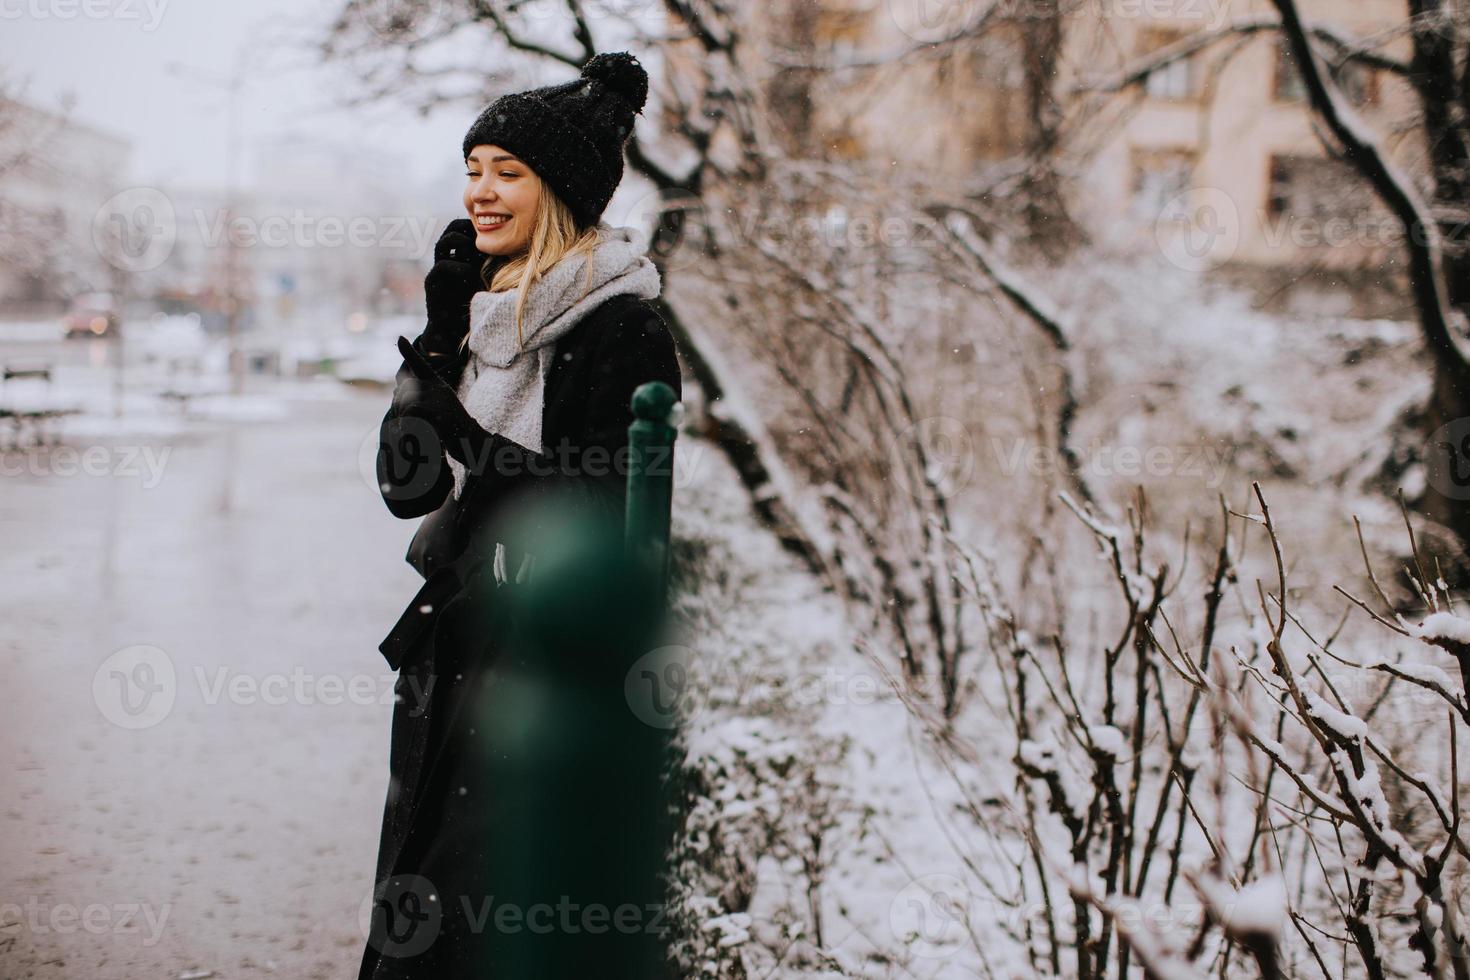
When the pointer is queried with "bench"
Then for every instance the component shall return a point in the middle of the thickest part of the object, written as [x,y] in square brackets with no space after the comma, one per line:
[183,394]
[33,416]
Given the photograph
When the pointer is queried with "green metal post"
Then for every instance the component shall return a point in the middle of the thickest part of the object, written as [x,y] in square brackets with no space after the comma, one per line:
[651,483]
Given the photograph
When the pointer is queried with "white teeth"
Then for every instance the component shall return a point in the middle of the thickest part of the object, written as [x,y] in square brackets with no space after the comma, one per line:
[486,222]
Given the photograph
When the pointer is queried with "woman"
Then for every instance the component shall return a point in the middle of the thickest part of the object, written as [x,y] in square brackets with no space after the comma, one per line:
[539,329]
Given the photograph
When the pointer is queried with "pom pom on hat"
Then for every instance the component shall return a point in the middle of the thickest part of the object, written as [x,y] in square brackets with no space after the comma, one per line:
[622,74]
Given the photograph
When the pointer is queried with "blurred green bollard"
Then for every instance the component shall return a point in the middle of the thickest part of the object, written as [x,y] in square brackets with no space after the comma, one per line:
[567,814]
[651,482]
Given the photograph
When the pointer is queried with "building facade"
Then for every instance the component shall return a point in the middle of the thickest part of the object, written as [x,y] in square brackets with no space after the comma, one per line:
[1223,146]
[1214,158]
[55,176]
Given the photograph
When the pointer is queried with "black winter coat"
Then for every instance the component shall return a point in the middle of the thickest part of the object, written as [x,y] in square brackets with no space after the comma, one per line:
[444,644]
[616,347]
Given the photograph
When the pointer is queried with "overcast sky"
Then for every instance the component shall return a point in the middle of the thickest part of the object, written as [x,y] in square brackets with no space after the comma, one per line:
[117,66]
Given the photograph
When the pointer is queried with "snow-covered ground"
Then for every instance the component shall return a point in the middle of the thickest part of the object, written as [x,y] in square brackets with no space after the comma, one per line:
[821,806]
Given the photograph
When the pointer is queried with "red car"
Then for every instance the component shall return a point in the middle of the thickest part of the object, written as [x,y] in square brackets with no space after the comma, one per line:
[91,315]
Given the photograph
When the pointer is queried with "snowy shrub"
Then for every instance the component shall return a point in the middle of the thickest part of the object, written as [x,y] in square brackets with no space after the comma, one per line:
[1246,800]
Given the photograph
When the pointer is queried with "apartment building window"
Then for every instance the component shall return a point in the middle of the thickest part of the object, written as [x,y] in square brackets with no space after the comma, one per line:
[1175,81]
[1279,183]
[1321,189]
[1286,81]
[1358,82]
[1159,176]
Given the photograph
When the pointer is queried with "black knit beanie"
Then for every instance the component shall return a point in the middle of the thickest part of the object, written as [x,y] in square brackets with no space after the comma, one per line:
[572,134]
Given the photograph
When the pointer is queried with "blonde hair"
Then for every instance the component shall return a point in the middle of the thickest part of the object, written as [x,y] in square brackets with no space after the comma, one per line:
[554,236]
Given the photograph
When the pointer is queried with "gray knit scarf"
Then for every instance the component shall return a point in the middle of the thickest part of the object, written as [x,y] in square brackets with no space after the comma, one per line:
[503,387]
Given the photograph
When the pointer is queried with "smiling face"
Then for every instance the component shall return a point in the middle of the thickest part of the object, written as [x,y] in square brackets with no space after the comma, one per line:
[501,197]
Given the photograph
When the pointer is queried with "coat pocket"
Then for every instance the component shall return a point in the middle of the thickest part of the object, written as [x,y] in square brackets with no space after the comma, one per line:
[420,614]
[437,541]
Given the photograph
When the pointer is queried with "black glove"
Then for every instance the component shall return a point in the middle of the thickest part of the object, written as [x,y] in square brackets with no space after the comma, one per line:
[451,283]
[427,396]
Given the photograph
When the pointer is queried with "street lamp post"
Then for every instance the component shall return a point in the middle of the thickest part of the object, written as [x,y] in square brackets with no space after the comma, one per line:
[232,83]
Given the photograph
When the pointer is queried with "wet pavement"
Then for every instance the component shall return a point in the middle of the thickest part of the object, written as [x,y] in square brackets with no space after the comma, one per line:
[195,737]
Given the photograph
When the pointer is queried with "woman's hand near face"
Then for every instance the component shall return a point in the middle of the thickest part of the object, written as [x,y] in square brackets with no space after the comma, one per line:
[428,397]
[448,288]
